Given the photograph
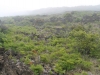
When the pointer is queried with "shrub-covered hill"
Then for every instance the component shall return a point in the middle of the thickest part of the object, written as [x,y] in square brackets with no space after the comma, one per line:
[54,44]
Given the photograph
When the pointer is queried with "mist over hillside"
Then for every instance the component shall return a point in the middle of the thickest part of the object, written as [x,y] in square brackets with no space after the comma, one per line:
[57,10]
[52,10]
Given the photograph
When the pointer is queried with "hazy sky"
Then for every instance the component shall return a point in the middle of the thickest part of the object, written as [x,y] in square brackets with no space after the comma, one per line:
[8,6]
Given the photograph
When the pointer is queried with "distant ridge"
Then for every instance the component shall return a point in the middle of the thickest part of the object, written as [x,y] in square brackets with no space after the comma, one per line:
[55,10]
[52,10]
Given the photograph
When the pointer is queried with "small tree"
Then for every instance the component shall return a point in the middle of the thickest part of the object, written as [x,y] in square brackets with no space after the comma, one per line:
[85,43]
[3,28]
[1,37]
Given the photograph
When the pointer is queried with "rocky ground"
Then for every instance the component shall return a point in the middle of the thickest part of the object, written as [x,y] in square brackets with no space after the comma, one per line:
[10,67]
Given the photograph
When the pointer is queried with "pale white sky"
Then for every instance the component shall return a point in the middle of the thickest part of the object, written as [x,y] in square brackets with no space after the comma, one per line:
[7,6]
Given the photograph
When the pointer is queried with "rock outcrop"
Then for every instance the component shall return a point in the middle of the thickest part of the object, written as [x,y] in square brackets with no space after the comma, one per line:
[10,66]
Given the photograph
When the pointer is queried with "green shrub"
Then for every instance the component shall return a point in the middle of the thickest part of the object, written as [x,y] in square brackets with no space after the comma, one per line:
[45,58]
[36,69]
[85,65]
[71,61]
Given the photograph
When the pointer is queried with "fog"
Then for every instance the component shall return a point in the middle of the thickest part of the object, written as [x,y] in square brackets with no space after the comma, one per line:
[17,7]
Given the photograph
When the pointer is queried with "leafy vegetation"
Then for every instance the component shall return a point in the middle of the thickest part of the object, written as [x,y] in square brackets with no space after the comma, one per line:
[57,43]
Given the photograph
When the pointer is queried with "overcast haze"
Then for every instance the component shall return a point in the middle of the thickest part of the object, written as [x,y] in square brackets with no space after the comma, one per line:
[11,6]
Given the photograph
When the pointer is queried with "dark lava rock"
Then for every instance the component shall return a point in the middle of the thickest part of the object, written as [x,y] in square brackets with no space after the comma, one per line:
[10,67]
